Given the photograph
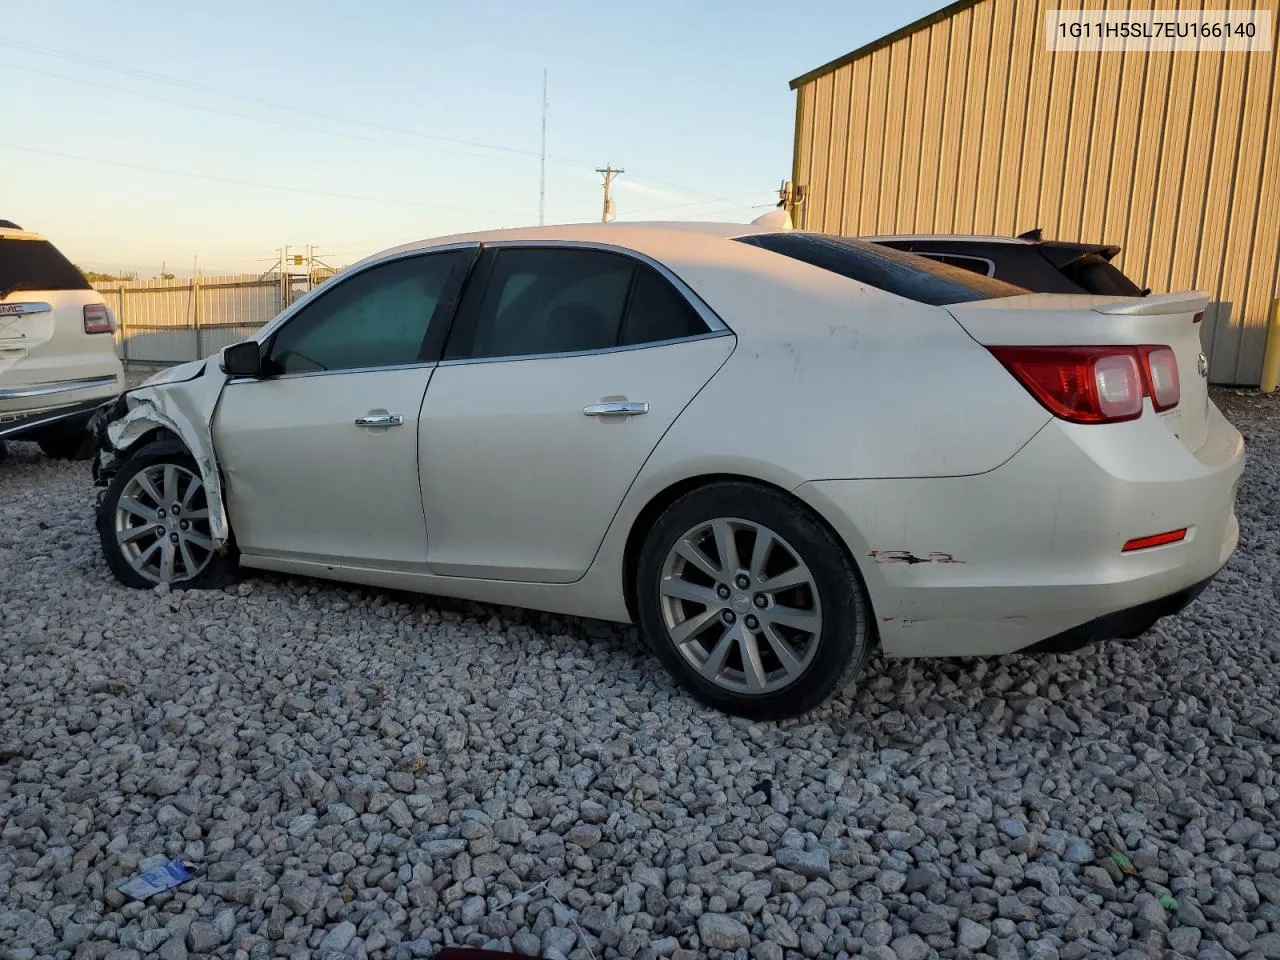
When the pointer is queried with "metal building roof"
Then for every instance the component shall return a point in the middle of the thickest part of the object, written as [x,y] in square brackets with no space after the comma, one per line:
[926,21]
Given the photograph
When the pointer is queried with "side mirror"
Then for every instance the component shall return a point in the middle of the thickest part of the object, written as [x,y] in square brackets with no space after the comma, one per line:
[242,359]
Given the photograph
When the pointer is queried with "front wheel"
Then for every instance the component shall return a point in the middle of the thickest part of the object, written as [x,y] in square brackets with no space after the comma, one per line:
[751,602]
[153,522]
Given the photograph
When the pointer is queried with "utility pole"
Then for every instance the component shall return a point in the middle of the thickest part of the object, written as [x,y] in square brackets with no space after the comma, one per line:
[542,158]
[609,174]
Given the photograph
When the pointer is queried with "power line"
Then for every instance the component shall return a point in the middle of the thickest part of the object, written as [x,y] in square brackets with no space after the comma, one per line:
[153,77]
[695,203]
[249,98]
[247,116]
[251,183]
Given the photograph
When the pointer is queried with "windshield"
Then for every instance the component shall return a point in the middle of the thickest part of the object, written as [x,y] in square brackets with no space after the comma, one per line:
[36,265]
[894,271]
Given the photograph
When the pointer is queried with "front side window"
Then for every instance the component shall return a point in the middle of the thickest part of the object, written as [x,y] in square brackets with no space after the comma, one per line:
[377,318]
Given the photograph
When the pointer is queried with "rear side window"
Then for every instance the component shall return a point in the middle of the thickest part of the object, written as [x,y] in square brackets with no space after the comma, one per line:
[893,271]
[544,301]
[36,265]
[656,312]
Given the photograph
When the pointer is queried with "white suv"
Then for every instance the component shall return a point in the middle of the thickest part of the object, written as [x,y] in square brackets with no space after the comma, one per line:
[57,346]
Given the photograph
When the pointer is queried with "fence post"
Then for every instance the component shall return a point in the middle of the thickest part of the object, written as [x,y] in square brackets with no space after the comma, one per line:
[1271,354]
[122,324]
[195,299]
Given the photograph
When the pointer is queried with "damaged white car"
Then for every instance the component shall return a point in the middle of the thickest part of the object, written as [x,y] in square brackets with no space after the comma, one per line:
[772,450]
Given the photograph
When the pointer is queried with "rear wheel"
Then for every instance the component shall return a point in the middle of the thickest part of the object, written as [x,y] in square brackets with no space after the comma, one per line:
[153,522]
[751,602]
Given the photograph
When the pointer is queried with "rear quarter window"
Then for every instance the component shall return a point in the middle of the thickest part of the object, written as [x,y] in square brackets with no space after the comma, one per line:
[36,265]
[893,271]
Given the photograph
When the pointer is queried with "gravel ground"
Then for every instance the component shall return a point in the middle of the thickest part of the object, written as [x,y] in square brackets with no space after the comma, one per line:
[357,773]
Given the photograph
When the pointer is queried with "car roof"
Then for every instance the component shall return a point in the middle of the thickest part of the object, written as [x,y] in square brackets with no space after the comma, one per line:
[647,236]
[949,238]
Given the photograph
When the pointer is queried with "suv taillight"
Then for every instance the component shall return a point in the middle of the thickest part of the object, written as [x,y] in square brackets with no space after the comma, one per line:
[1095,384]
[98,319]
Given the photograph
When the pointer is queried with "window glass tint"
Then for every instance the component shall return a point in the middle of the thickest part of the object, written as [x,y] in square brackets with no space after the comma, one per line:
[551,301]
[1097,275]
[377,318]
[975,264]
[893,271]
[36,265]
[658,312]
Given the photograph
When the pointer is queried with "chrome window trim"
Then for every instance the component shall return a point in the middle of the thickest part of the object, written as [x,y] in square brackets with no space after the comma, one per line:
[385,368]
[285,315]
[623,348]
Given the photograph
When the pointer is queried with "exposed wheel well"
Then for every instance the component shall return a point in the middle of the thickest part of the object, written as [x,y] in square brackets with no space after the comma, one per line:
[653,509]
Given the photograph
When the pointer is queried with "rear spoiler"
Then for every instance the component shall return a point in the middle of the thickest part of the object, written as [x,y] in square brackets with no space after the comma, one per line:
[1064,254]
[1192,301]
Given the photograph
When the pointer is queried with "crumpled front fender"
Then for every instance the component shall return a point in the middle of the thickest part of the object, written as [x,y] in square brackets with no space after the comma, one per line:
[185,407]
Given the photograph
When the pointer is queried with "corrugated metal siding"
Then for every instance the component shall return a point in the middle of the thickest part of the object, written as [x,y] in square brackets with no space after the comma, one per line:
[970,125]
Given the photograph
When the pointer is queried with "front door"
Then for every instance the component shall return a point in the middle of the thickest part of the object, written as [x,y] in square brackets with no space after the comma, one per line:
[320,456]
[565,368]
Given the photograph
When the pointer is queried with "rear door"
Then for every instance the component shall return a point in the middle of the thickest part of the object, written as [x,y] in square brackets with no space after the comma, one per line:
[566,366]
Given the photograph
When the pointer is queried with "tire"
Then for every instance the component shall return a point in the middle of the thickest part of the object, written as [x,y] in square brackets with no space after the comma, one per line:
[825,653]
[125,555]
[67,446]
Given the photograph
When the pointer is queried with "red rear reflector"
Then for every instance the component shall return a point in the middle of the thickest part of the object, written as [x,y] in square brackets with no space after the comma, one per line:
[1157,540]
[98,319]
[1198,317]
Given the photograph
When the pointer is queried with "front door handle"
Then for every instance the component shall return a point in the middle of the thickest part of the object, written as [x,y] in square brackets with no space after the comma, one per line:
[380,420]
[617,408]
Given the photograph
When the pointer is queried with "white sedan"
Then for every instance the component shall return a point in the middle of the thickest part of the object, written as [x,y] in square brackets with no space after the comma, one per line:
[773,450]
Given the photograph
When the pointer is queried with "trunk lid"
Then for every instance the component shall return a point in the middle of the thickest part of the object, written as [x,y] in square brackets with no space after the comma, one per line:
[1067,320]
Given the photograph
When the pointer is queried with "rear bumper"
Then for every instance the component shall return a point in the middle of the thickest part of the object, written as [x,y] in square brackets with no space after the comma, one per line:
[70,418]
[1121,625]
[1031,551]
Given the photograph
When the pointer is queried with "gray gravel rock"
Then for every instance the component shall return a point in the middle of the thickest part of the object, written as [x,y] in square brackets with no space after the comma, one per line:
[722,932]
[369,774]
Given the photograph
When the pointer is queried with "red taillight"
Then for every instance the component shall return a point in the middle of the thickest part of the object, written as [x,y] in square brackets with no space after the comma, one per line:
[1156,540]
[1163,385]
[98,319]
[1198,317]
[1080,384]
[1095,384]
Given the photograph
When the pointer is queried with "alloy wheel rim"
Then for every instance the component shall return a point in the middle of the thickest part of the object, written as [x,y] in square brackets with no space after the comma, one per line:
[740,605]
[162,524]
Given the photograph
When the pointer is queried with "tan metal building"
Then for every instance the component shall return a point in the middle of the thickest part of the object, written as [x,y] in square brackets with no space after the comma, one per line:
[964,122]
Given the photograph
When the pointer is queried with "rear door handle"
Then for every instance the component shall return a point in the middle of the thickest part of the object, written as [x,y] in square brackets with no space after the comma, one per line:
[380,420]
[617,408]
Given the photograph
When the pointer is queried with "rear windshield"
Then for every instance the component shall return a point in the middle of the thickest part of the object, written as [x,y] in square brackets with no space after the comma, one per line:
[36,265]
[894,271]
[1096,274]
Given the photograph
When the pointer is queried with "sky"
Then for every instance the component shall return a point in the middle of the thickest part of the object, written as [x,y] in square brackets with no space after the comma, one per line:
[143,135]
